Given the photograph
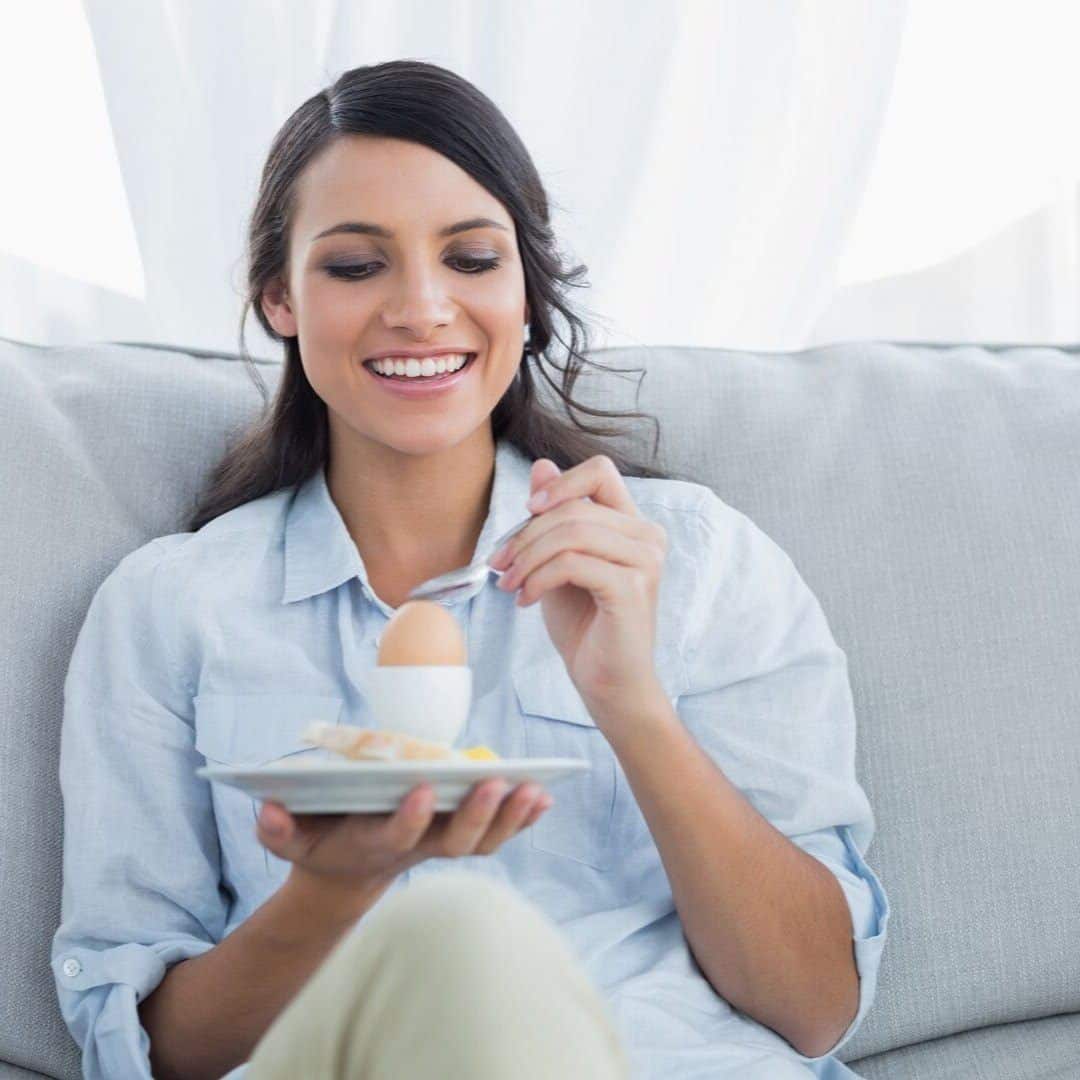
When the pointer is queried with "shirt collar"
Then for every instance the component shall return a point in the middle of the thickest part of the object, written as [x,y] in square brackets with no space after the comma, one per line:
[320,554]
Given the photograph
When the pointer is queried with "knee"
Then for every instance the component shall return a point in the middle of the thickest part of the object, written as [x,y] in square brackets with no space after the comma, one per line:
[462,912]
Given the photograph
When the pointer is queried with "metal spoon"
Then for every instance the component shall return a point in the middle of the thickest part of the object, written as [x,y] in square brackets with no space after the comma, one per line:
[450,585]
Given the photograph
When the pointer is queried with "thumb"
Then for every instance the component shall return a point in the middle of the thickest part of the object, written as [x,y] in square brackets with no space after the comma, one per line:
[544,470]
[275,825]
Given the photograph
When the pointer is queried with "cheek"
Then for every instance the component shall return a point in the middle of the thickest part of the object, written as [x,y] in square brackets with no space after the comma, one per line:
[496,384]
[329,331]
[329,317]
[327,355]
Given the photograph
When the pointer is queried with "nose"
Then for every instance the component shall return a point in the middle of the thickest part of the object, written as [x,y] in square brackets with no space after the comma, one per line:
[419,303]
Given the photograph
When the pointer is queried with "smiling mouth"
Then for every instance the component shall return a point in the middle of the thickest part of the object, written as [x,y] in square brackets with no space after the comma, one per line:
[422,379]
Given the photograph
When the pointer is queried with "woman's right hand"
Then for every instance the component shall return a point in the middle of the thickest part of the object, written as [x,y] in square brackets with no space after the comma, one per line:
[361,850]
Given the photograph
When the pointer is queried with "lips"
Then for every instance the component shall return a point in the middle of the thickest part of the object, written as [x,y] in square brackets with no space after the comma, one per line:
[422,389]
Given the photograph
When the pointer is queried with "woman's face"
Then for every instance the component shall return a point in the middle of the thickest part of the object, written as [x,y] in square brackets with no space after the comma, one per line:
[353,293]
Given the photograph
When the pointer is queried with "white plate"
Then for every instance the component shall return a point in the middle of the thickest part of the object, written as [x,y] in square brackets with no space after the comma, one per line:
[319,786]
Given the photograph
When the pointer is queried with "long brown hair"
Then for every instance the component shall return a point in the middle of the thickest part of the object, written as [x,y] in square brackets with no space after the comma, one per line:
[424,103]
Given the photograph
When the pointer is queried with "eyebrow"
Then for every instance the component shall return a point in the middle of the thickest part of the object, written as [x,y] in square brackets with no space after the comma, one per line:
[368,229]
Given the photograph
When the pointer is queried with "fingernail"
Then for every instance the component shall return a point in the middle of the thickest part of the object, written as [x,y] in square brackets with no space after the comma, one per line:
[537,500]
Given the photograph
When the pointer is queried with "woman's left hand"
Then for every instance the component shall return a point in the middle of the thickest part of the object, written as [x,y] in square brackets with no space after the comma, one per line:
[594,563]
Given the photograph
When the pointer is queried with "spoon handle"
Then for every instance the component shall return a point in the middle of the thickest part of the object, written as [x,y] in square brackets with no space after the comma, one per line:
[454,581]
[508,535]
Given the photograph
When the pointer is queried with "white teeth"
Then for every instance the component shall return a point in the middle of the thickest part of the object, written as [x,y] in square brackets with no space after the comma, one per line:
[414,368]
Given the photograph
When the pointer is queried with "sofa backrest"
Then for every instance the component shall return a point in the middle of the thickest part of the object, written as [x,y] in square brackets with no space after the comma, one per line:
[928,495]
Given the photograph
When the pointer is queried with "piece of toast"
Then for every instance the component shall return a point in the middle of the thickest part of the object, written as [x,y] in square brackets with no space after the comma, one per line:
[366,744]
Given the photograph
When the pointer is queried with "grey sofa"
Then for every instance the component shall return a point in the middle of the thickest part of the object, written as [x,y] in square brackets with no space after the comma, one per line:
[928,494]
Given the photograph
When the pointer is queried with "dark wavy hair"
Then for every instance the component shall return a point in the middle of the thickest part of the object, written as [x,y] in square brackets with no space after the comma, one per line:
[423,103]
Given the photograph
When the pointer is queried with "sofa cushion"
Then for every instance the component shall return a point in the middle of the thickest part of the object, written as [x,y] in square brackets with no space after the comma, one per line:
[1046,1049]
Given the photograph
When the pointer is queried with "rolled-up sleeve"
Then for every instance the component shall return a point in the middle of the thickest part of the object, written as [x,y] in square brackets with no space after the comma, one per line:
[869,907]
[769,699]
[141,862]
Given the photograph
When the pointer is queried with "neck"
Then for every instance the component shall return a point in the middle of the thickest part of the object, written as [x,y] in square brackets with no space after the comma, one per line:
[412,516]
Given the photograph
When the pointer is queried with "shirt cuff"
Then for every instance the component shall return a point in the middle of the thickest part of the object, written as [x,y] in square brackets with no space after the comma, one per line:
[99,992]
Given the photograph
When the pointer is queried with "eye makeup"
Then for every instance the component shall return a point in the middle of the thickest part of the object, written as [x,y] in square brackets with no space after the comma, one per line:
[355,271]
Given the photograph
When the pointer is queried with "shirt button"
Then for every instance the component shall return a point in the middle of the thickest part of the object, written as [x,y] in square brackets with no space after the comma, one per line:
[72,967]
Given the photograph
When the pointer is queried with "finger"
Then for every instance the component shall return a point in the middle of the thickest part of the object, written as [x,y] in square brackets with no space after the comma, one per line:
[473,818]
[578,510]
[414,815]
[585,537]
[606,582]
[597,478]
[295,836]
[277,830]
[542,471]
[512,813]
[543,803]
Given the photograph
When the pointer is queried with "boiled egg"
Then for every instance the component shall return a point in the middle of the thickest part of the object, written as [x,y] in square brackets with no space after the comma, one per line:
[421,632]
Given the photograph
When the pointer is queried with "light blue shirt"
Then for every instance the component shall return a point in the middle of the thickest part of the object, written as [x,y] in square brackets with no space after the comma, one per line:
[223,645]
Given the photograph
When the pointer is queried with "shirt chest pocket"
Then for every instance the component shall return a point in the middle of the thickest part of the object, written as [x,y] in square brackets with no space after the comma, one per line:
[578,824]
[244,730]
[253,729]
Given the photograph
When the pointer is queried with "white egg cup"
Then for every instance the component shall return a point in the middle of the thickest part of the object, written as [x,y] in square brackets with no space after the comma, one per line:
[426,701]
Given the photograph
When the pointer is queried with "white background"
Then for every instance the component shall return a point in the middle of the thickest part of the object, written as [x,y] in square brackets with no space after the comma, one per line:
[760,174]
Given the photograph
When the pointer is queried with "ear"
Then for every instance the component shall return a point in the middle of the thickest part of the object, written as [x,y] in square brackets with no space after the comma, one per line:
[276,308]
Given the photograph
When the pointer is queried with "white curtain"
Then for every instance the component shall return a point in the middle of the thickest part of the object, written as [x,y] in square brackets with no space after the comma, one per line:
[763,174]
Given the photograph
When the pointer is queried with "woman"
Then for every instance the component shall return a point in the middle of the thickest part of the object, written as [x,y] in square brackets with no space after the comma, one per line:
[696,904]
